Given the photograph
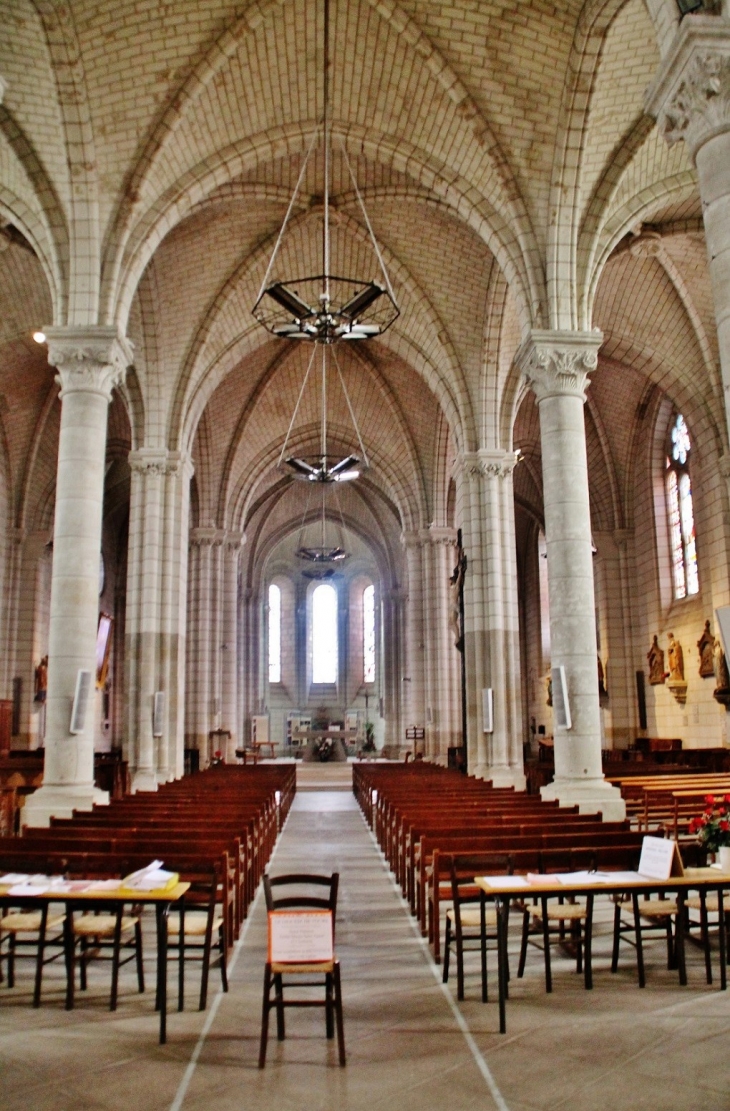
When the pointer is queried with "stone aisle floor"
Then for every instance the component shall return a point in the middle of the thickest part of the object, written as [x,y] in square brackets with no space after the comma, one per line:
[408,1045]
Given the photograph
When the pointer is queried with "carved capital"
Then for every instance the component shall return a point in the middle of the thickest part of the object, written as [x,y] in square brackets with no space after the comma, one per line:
[690,96]
[158,461]
[88,360]
[411,539]
[207,537]
[489,464]
[234,541]
[557,363]
[440,535]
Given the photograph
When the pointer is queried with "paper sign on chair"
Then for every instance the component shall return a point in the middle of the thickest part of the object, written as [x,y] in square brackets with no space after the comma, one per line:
[300,936]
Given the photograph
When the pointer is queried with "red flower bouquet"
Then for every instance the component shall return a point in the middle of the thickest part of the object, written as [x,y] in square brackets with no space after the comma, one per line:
[713,825]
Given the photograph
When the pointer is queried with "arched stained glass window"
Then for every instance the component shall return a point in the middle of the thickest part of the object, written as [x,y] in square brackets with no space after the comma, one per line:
[368,634]
[680,510]
[324,634]
[274,634]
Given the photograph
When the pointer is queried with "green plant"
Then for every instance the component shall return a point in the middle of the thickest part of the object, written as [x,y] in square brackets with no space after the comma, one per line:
[713,825]
[369,745]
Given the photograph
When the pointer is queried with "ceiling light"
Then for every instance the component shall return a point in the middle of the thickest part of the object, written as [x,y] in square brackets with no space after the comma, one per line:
[39,337]
[325,308]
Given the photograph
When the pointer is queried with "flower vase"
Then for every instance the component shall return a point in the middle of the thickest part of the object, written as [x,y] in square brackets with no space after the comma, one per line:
[723,857]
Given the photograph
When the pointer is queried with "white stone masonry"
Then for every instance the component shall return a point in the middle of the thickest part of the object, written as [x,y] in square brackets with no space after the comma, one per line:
[556,366]
[90,362]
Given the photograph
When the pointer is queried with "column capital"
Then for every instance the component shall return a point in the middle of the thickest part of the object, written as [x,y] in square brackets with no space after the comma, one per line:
[93,359]
[207,537]
[440,534]
[690,95]
[488,463]
[157,461]
[557,363]
[234,541]
[412,538]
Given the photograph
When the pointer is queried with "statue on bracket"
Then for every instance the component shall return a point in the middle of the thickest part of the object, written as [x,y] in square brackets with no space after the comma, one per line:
[706,649]
[677,682]
[721,692]
[655,656]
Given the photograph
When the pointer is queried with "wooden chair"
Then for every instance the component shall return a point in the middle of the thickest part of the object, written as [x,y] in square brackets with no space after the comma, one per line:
[554,919]
[467,920]
[15,926]
[297,894]
[192,929]
[103,936]
[658,916]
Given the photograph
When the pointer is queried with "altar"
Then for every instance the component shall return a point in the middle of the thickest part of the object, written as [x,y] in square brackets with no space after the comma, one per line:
[311,741]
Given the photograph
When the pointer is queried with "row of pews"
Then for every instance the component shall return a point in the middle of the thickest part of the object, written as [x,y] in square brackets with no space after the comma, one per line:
[422,815]
[223,821]
[667,799]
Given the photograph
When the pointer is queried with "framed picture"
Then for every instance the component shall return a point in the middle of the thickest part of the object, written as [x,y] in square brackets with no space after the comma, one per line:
[103,648]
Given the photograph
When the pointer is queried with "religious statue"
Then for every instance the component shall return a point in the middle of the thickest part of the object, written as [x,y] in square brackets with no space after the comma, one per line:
[676,660]
[721,692]
[41,680]
[456,585]
[655,656]
[602,691]
[549,687]
[706,649]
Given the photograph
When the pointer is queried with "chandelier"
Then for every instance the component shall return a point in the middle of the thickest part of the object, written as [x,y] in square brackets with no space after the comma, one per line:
[324,308]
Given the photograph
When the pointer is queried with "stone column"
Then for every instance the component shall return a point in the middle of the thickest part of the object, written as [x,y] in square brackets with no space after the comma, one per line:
[154,648]
[202,704]
[443,674]
[229,647]
[415,653]
[690,98]
[491,616]
[90,362]
[556,366]
[393,622]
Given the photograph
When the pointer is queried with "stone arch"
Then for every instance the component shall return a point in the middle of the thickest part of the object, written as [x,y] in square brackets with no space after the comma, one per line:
[194,388]
[220,53]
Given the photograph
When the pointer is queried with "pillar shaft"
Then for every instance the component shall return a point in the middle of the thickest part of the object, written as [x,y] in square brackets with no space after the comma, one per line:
[690,97]
[155,613]
[556,365]
[229,645]
[90,363]
[491,619]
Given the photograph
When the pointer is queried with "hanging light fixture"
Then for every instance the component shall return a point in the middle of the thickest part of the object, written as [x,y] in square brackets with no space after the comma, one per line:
[324,308]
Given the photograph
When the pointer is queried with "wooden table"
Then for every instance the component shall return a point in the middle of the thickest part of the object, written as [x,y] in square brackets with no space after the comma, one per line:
[502,891]
[109,901]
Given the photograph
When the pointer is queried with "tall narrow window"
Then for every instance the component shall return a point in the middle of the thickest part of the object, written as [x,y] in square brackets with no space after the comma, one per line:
[680,510]
[324,634]
[368,634]
[274,634]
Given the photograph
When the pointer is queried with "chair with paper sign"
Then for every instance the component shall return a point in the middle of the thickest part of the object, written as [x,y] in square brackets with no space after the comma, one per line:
[301,927]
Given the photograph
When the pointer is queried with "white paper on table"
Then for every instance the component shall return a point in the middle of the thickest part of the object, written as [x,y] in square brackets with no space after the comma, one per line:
[505,881]
[104,885]
[25,889]
[14,877]
[580,879]
[657,856]
[616,878]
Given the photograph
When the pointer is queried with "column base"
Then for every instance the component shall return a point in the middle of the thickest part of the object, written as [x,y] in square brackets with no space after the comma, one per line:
[60,801]
[144,780]
[591,797]
[501,776]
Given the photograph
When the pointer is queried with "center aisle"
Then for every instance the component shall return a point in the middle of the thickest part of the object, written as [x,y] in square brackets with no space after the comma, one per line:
[404,1047]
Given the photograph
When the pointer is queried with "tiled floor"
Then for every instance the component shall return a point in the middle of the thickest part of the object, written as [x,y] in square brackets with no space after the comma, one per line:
[408,1045]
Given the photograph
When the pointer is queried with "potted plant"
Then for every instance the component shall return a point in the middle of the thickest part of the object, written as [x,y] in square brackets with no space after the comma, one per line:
[713,828]
[369,745]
